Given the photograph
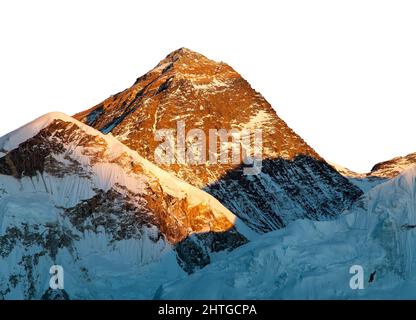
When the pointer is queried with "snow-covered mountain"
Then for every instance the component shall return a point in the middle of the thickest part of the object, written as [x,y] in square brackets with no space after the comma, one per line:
[120,226]
[90,196]
[312,259]
[393,167]
[380,173]
[295,181]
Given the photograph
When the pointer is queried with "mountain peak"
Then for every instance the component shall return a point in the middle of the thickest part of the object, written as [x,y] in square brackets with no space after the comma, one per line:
[182,52]
[393,167]
[190,64]
[208,95]
[16,137]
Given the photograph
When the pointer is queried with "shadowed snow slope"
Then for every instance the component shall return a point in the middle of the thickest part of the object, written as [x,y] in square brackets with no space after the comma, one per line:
[311,260]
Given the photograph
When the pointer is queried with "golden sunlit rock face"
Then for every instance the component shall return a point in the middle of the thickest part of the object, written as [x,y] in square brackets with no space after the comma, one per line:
[206,95]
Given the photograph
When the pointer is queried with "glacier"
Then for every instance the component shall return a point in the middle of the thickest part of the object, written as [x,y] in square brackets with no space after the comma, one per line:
[311,259]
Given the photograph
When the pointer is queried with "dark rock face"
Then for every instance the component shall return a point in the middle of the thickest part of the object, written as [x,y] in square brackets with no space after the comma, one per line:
[119,212]
[194,252]
[37,241]
[55,295]
[36,155]
[52,238]
[285,190]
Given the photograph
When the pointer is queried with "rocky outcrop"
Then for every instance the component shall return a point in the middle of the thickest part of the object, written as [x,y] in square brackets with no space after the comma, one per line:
[392,168]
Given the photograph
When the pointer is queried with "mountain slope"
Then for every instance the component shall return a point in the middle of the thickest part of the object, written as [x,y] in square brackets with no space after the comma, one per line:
[311,260]
[71,196]
[186,86]
[393,167]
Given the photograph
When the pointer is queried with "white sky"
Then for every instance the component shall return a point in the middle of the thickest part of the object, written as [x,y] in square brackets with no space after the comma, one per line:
[342,74]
